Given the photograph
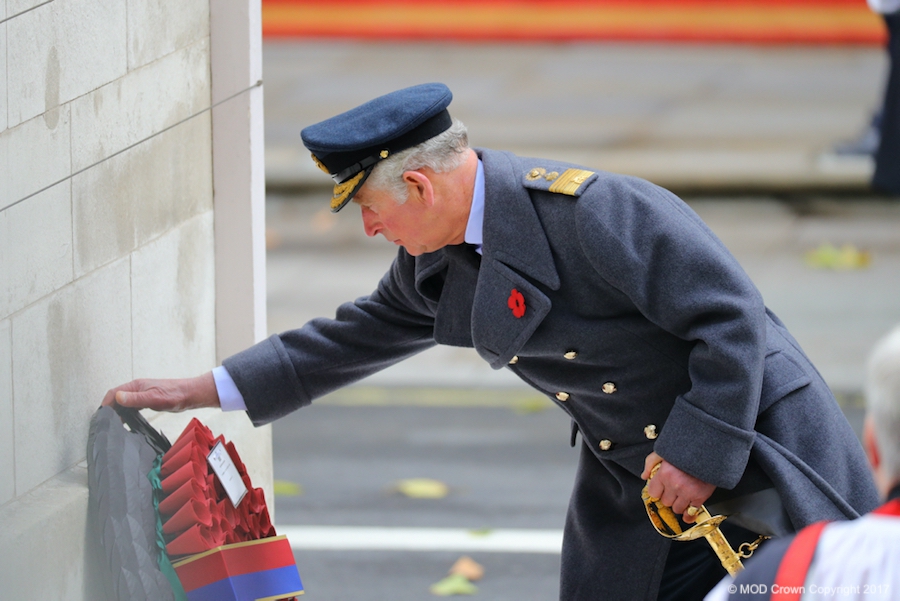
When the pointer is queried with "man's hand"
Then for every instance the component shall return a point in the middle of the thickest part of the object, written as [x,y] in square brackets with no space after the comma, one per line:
[675,488]
[166,395]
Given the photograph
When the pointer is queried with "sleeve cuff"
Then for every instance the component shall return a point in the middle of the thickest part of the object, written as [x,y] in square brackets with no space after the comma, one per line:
[230,398]
[704,446]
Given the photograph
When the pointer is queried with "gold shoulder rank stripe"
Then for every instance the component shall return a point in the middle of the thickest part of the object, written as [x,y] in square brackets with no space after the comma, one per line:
[570,181]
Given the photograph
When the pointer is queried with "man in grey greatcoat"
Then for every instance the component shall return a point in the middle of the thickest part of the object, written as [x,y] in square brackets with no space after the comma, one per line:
[602,291]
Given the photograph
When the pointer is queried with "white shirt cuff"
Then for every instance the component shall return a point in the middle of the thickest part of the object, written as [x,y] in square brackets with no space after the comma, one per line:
[230,398]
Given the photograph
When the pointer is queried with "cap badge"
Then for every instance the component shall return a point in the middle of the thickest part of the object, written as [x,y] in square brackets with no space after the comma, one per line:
[516,302]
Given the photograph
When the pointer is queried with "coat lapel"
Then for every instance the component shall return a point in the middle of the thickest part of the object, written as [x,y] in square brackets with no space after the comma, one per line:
[516,261]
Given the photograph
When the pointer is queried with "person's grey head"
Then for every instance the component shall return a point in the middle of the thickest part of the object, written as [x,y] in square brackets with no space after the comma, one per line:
[883,403]
[444,152]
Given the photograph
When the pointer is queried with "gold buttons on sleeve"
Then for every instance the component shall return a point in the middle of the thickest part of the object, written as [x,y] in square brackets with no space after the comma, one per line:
[571,355]
[514,360]
[651,432]
[608,388]
[562,396]
[605,445]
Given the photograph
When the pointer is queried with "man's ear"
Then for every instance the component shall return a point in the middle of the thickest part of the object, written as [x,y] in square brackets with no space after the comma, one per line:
[419,187]
[870,444]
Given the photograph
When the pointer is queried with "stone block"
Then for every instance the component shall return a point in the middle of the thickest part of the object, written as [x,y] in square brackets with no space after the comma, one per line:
[36,241]
[141,193]
[141,104]
[173,302]
[15,7]
[34,155]
[236,36]
[49,553]
[157,28]
[68,350]
[3,70]
[62,50]
[7,463]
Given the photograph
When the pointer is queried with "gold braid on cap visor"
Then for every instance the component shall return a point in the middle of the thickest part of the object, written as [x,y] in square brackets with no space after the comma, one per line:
[342,191]
[319,164]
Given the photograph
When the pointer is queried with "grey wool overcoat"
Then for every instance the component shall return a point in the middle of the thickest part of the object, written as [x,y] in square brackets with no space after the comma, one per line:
[611,296]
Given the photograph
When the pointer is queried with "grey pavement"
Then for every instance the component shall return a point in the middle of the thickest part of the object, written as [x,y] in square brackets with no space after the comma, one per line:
[741,132]
[687,116]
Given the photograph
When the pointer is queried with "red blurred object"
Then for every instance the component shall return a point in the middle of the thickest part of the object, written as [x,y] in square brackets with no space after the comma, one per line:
[740,21]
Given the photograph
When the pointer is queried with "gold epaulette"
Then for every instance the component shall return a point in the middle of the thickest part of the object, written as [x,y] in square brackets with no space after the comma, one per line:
[570,182]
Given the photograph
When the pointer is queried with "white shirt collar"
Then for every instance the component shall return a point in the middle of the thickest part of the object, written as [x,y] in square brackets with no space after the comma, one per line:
[475,225]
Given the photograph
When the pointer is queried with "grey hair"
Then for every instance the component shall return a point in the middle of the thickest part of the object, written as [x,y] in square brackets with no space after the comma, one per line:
[883,401]
[444,152]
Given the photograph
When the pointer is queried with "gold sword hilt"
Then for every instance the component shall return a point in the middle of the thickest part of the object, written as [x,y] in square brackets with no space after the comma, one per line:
[666,522]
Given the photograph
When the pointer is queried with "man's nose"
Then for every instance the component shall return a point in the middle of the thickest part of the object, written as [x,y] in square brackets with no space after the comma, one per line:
[370,222]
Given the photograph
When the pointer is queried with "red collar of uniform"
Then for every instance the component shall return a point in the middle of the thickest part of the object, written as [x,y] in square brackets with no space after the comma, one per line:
[892,507]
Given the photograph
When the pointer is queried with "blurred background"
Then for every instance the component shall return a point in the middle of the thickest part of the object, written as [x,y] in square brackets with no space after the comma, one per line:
[744,109]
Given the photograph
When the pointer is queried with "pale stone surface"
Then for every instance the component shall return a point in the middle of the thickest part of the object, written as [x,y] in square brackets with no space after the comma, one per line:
[158,27]
[240,222]
[36,236]
[141,193]
[62,50]
[3,71]
[48,550]
[173,302]
[68,350]
[36,155]
[15,7]
[139,105]
[7,466]
[236,46]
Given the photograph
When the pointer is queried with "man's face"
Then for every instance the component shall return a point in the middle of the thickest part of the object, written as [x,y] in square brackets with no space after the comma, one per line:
[414,225]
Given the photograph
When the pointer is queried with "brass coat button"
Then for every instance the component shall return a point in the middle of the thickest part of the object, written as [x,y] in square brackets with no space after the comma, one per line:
[514,360]
[570,355]
[609,388]
[650,432]
[605,445]
[562,396]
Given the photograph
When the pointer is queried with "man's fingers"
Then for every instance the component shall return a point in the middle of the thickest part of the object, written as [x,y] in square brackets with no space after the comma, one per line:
[675,488]
[649,463]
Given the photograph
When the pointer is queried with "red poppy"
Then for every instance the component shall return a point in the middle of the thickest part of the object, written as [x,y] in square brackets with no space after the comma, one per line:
[516,302]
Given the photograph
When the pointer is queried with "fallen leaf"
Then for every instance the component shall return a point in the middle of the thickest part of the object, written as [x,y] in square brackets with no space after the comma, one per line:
[468,567]
[846,257]
[423,488]
[455,584]
[283,488]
